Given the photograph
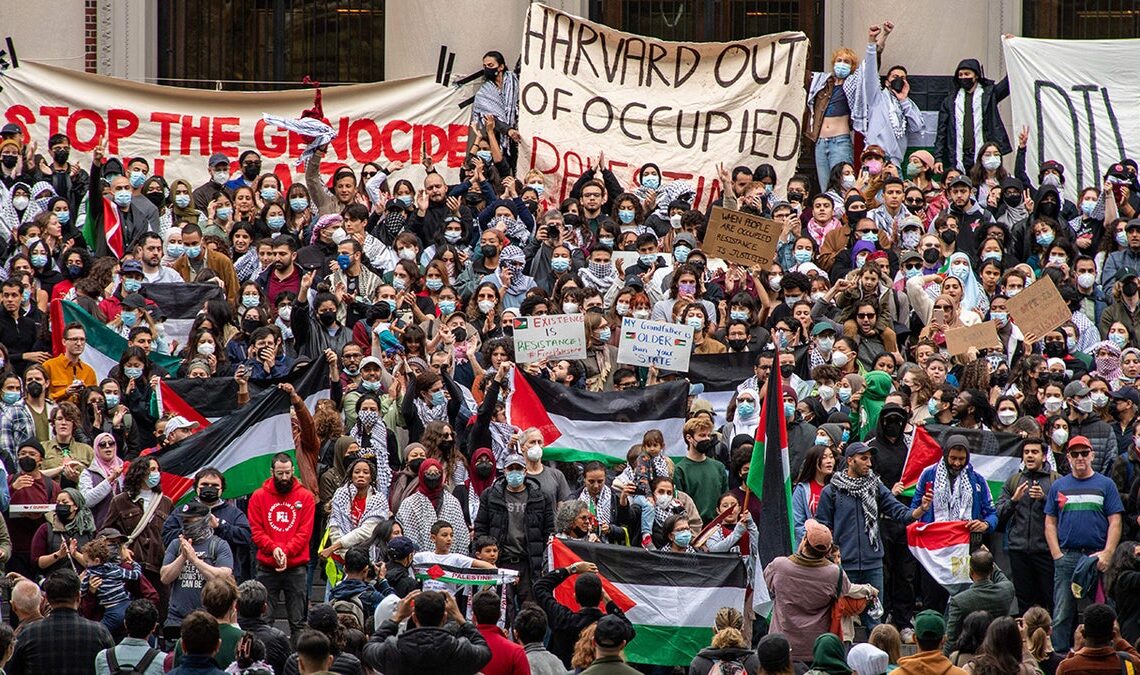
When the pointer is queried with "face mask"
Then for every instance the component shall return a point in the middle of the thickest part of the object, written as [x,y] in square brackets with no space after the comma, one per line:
[647,259]
[1044,238]
[1058,260]
[738,315]
[802,255]
[10,161]
[60,156]
[27,464]
[122,198]
[437,398]
[63,216]
[932,407]
[534,454]
[622,309]
[63,512]
[391,303]
[841,69]
[486,306]
[483,470]
[706,446]
[447,307]
[208,494]
[626,216]
[696,323]
[129,319]
[930,256]
[433,283]
[1086,280]
[1099,399]
[182,201]
[910,240]
[774,282]
[327,319]
[27,295]
[1051,179]
[153,479]
[298,203]
[285,312]
[39,260]
[205,348]
[175,250]
[848,181]
[569,308]
[990,162]
[194,251]
[1085,405]
[484,155]
[789,411]
[250,300]
[991,255]
[608,242]
[687,288]
[1130,287]
[675,221]
[1122,238]
[641,313]
[275,223]
[515,478]
[370,386]
[11,397]
[826,392]
[839,360]
[683,538]
[874,166]
[452,236]
[966,82]
[560,264]
[605,334]
[737,345]
[651,182]
[132,285]
[112,401]
[1001,317]
[844,392]
[681,253]
[407,254]
[1007,417]
[398,283]
[1118,340]
[1053,404]
[220,177]
[132,373]
[1060,436]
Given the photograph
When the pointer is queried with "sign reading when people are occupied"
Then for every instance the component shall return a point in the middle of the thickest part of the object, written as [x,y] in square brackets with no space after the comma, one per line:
[1078,98]
[550,336]
[586,88]
[177,129]
[739,237]
[655,343]
[1039,308]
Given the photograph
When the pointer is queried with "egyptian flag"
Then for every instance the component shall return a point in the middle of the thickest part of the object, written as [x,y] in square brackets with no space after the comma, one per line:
[181,304]
[241,446]
[769,480]
[670,598]
[579,425]
[104,346]
[943,549]
[993,454]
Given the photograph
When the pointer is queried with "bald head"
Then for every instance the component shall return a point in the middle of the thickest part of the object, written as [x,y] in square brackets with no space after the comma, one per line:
[26,599]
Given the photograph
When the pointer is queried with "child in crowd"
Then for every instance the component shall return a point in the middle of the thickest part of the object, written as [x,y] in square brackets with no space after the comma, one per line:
[112,591]
[645,462]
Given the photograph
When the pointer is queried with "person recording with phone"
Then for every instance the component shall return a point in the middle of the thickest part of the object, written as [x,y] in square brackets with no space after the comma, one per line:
[265,359]
[1021,515]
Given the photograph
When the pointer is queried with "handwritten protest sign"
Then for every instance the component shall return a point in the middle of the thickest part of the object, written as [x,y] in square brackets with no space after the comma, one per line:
[982,336]
[1039,308]
[655,343]
[740,237]
[553,336]
[586,88]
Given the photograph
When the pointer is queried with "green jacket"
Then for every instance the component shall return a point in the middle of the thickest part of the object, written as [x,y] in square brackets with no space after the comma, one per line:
[994,595]
[609,665]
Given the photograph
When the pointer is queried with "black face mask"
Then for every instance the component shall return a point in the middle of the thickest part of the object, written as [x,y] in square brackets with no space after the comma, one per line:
[490,73]
[706,446]
[898,84]
[446,444]
[208,493]
[483,470]
[156,198]
[433,482]
[27,464]
[787,370]
[1129,288]
[795,196]
[1049,209]
[414,465]
[327,318]
[1000,378]
[948,236]
[284,487]
[853,217]
[966,83]
[251,171]
[489,250]
[63,512]
[737,345]
[893,427]
[1012,200]
[532,207]
[10,161]
[1055,349]
[60,156]
[250,325]
[35,389]
[931,256]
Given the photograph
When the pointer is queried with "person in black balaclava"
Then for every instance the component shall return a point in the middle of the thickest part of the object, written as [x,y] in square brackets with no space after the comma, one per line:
[958,138]
[890,449]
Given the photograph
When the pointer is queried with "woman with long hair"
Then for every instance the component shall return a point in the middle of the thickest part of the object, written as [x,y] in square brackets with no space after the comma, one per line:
[139,512]
[375,439]
[970,639]
[887,638]
[357,508]
[815,473]
[1002,651]
[1038,627]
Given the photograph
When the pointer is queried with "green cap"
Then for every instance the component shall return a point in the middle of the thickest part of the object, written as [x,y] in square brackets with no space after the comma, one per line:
[929,625]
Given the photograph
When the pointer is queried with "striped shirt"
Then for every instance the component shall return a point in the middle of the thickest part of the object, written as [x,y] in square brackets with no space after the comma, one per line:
[1082,507]
[112,591]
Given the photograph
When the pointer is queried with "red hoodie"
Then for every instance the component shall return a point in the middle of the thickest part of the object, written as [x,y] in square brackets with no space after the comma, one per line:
[284,521]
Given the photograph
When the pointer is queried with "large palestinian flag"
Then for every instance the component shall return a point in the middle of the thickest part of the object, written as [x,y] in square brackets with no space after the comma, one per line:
[993,454]
[769,480]
[670,598]
[579,426]
[180,304]
[721,374]
[104,346]
[241,446]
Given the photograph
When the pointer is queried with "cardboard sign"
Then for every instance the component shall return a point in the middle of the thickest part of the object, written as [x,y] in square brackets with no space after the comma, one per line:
[740,237]
[655,343]
[1039,308]
[554,336]
[983,336]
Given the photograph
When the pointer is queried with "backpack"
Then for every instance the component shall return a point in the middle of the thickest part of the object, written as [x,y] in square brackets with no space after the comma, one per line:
[137,669]
[1126,665]
[352,606]
[727,668]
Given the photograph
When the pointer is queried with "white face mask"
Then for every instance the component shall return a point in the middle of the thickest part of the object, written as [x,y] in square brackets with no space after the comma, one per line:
[1060,436]
[1007,416]
[205,348]
[1054,404]
[839,359]
[534,453]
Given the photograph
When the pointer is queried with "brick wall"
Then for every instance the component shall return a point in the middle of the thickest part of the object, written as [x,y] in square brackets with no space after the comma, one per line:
[89,40]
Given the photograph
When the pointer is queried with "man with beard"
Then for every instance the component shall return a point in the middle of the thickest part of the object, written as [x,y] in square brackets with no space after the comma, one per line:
[283,275]
[434,209]
[890,448]
[1084,421]
[972,410]
[281,515]
[956,492]
[1021,513]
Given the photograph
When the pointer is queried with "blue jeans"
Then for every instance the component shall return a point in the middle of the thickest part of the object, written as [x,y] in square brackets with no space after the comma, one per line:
[829,152]
[647,514]
[113,616]
[1064,604]
[873,577]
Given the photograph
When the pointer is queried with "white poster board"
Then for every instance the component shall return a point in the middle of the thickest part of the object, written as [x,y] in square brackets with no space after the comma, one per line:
[655,343]
[552,336]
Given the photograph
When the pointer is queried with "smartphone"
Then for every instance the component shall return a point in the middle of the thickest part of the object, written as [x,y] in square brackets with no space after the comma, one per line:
[938,316]
[552,232]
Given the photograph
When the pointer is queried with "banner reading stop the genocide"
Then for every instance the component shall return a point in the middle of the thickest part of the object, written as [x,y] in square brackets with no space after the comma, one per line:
[177,129]
[1078,98]
[586,88]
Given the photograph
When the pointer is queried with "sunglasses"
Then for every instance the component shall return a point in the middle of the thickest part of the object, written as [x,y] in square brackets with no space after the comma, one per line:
[912,266]
[107,444]
[1080,453]
[865,315]
[916,202]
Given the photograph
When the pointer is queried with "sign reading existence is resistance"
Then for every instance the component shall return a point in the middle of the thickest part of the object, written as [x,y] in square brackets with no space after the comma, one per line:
[551,336]
[655,343]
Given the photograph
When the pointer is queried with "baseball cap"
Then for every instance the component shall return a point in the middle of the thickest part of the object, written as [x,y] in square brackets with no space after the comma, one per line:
[370,361]
[907,256]
[1076,389]
[823,327]
[10,129]
[219,158]
[112,534]
[961,180]
[194,509]
[873,151]
[131,266]
[1126,394]
[817,535]
[1079,442]
[513,459]
[612,631]
[134,301]
[1051,165]
[774,652]
[400,548]
[929,624]
[856,448]
[1127,272]
[957,441]
[179,422]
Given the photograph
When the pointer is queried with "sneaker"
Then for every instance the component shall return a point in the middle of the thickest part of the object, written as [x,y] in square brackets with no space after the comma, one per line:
[907,635]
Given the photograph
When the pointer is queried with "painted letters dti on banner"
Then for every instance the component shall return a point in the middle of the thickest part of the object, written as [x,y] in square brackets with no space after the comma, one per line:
[1078,98]
[177,129]
[586,88]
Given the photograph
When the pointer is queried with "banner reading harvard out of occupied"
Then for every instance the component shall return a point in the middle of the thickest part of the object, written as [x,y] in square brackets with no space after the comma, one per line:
[177,129]
[587,88]
[1078,98]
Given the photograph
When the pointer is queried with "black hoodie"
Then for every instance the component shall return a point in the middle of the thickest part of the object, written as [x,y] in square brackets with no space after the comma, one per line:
[890,456]
[993,129]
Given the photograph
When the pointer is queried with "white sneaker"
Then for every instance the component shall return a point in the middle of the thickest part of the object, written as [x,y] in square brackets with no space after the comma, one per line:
[907,635]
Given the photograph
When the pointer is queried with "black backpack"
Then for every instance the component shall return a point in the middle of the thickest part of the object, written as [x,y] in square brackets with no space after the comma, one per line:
[137,669]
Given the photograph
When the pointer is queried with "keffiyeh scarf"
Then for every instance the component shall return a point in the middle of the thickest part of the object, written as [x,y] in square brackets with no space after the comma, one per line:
[601,506]
[375,506]
[320,132]
[513,259]
[1107,367]
[598,275]
[500,103]
[953,498]
[866,490]
[514,228]
[430,413]
[374,444]
[501,433]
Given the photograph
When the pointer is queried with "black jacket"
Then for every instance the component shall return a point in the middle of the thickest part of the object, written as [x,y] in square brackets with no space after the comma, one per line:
[492,519]
[233,528]
[19,336]
[277,649]
[447,650]
[993,129]
[1024,520]
[401,579]
[703,661]
[565,624]
[889,457]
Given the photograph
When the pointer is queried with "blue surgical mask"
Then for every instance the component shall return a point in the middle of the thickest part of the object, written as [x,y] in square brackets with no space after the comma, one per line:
[608,242]
[802,255]
[132,372]
[846,435]
[1088,206]
[129,319]
[738,315]
[343,260]
[250,300]
[683,538]
[651,182]
[932,407]
[1122,238]
[1001,317]
[647,259]
[391,302]
[1045,238]
[515,478]
[604,334]
[433,283]
[681,253]
[153,479]
[820,440]
[789,411]
[1118,340]
[696,322]
[437,398]
[912,272]
[182,201]
[298,203]
[123,198]
[841,69]
[399,283]
[869,236]
[626,216]
[39,260]
[11,397]
[137,179]
[560,264]
[268,194]
[275,223]
[406,200]
[369,385]
[63,216]
[112,400]
[844,394]
[194,251]
[446,307]
[175,250]
[224,212]
[746,408]
[132,285]
[991,255]
[960,272]
[484,155]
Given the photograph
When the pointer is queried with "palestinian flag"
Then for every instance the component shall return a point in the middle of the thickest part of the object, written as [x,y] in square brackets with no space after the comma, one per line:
[180,304]
[943,549]
[670,598]
[103,229]
[104,346]
[241,446]
[579,426]
[721,374]
[993,454]
[769,480]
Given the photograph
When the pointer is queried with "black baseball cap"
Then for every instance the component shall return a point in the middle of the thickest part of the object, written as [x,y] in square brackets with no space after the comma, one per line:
[613,631]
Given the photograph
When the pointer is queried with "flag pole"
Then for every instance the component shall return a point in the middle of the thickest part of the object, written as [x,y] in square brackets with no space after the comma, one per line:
[747,492]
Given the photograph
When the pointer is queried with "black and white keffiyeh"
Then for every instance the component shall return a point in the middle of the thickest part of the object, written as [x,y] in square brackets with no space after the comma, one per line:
[953,498]
[340,513]
[372,436]
[600,507]
[866,490]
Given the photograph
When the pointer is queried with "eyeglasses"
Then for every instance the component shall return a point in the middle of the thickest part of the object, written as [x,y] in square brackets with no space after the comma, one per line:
[916,202]
[367,174]
[1080,453]
[865,315]
[912,266]
[75,339]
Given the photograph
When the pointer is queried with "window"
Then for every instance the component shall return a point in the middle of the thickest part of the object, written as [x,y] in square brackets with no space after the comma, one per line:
[1081,19]
[269,44]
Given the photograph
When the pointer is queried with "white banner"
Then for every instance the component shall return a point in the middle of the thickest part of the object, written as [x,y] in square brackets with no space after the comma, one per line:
[549,336]
[177,129]
[669,346]
[1078,98]
[587,88]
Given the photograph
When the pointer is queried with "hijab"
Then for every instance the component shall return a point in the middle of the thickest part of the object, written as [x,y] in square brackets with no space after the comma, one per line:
[828,656]
[83,522]
[973,295]
[478,485]
[422,488]
[871,404]
[183,216]
[116,462]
